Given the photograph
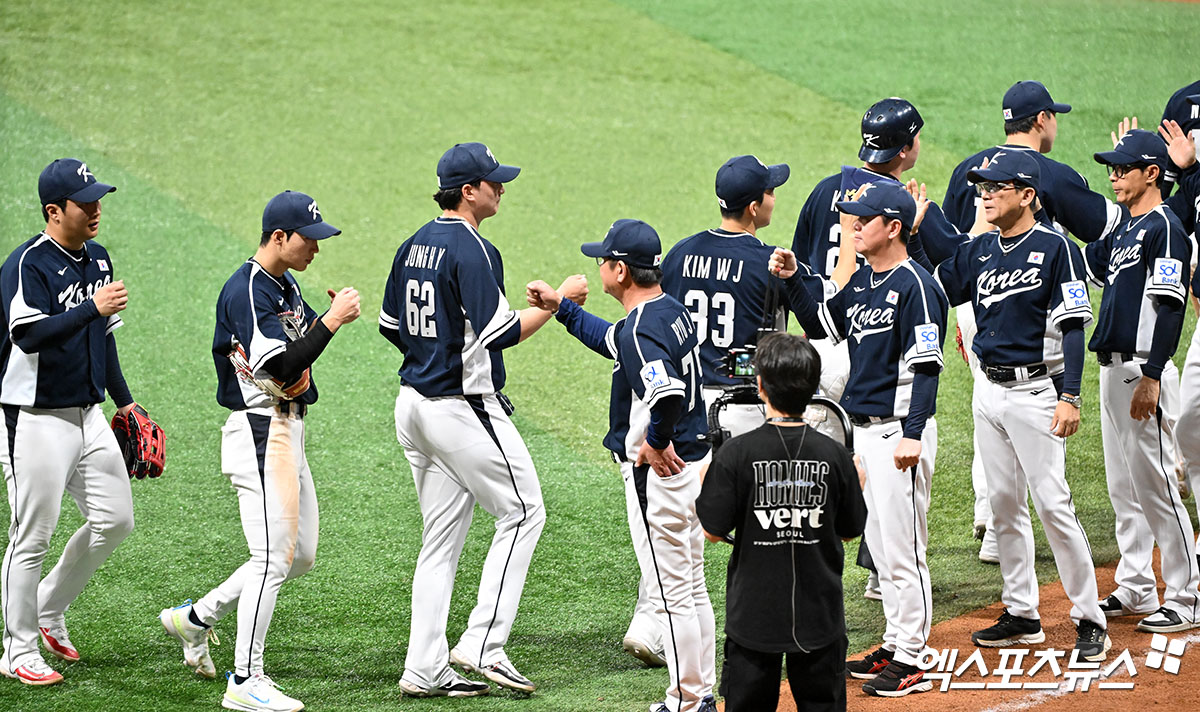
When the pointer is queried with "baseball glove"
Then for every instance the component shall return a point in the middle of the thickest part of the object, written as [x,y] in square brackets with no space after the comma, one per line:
[142,442]
[271,386]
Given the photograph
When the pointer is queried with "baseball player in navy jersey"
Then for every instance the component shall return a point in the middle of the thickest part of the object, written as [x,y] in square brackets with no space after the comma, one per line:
[718,275]
[1183,153]
[264,344]
[1025,284]
[891,143]
[1141,267]
[893,315]
[444,308]
[58,356]
[1030,127]
[656,415]
[1184,109]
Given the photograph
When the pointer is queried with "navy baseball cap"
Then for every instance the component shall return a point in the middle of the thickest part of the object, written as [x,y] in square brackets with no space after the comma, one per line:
[290,211]
[743,180]
[887,127]
[1005,166]
[70,179]
[1027,98]
[882,198]
[468,162]
[1136,146]
[630,241]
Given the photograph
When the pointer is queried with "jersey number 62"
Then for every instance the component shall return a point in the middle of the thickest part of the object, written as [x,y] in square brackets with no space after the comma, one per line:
[418,309]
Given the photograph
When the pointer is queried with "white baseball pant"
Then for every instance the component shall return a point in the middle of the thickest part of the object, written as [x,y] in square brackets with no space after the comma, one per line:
[262,454]
[835,366]
[897,507]
[1139,461]
[463,450]
[1187,431]
[50,451]
[965,316]
[669,543]
[1020,455]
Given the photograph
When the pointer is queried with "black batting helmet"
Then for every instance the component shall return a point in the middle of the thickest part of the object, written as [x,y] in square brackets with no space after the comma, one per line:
[887,127]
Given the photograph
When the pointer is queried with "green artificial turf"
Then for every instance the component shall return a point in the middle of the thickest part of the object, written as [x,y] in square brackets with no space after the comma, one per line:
[201,112]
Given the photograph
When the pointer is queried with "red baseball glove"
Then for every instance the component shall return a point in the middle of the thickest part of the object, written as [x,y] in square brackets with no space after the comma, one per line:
[142,442]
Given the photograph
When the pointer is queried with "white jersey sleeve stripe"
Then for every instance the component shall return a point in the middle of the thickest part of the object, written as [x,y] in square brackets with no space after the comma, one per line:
[260,348]
[388,321]
[674,387]
[828,323]
[19,312]
[114,323]
[610,341]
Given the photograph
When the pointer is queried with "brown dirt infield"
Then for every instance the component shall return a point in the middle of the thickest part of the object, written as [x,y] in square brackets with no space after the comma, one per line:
[1153,689]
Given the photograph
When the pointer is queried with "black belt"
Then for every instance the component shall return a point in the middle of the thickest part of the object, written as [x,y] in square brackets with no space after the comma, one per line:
[1107,358]
[861,420]
[1008,374]
[295,408]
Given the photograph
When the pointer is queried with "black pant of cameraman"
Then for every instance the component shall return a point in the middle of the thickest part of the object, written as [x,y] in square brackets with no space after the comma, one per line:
[750,678]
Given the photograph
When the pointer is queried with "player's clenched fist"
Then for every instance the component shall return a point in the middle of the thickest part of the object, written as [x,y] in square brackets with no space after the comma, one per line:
[344,309]
[541,296]
[574,288]
[782,263]
[111,298]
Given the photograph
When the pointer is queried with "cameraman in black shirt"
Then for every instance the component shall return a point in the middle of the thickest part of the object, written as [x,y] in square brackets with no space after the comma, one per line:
[792,495]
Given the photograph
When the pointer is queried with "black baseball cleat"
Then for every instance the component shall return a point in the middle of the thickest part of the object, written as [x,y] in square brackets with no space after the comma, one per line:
[870,666]
[455,685]
[1113,608]
[898,680]
[1165,620]
[1092,641]
[1009,630]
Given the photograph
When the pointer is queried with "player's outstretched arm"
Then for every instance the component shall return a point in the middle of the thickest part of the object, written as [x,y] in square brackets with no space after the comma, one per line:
[783,264]
[573,288]
[590,329]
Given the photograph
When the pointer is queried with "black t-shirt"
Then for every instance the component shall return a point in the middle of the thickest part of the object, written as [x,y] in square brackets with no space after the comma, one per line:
[791,500]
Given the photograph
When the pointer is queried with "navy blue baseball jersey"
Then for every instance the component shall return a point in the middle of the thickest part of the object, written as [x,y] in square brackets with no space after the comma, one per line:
[721,277]
[656,356]
[41,279]
[1010,280]
[894,322]
[1139,264]
[1064,194]
[444,299]
[260,314]
[819,228]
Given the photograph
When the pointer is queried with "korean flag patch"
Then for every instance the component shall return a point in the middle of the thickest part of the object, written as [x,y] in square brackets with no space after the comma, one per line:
[892,297]
[102,264]
[1075,296]
[654,375]
[1167,272]
[1036,258]
[927,338]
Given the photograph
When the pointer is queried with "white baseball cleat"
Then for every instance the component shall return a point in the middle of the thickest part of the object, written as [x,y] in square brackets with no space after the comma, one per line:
[33,671]
[193,637]
[500,672]
[640,649]
[452,685]
[989,550]
[55,640]
[872,591]
[258,693]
